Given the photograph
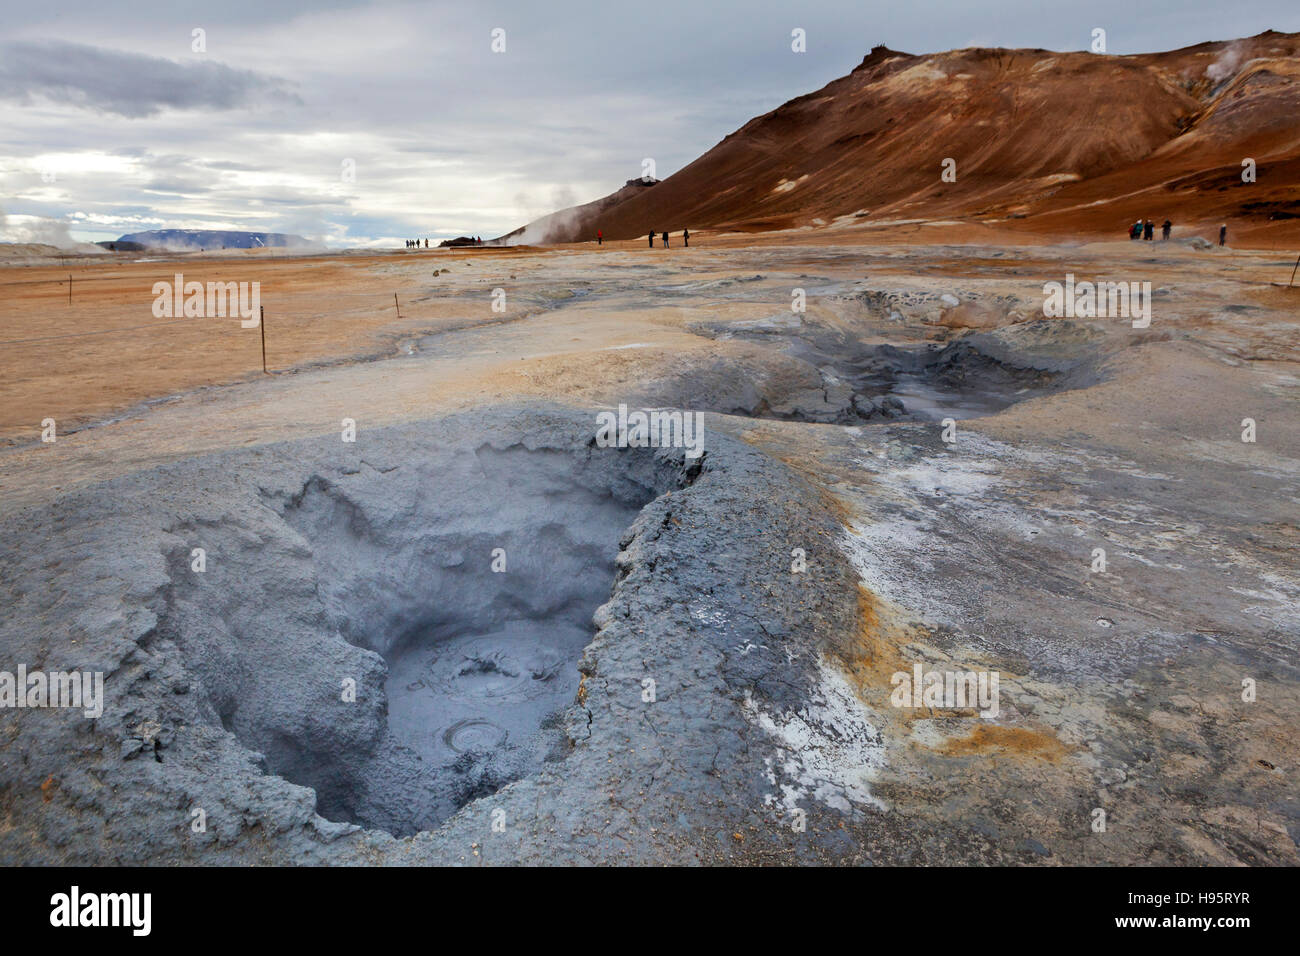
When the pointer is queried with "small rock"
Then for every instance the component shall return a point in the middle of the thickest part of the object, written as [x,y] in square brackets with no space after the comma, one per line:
[1035,847]
[892,406]
[131,748]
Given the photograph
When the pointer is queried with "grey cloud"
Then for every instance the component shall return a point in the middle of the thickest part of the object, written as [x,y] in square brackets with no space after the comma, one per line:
[128,84]
[231,166]
[175,187]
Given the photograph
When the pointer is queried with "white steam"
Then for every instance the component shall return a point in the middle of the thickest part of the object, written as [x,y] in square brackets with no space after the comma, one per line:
[1226,64]
[38,230]
[546,227]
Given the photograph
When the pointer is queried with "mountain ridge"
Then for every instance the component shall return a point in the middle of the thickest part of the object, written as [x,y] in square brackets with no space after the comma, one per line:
[1072,141]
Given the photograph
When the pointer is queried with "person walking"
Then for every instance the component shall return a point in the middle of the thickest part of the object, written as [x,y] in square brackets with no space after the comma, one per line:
[600,238]
[1149,231]
[686,237]
[1223,233]
[1165,228]
[652,240]
[665,240]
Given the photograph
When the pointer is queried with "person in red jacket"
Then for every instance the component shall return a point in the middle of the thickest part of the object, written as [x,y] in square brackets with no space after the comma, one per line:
[600,238]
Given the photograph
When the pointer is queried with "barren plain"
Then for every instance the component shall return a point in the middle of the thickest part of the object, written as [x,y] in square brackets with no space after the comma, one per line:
[649,678]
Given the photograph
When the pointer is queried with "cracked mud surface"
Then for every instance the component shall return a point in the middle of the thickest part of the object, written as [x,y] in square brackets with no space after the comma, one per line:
[771,736]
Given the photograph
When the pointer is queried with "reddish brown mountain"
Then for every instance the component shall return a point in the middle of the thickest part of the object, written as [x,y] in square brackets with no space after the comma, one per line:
[1072,142]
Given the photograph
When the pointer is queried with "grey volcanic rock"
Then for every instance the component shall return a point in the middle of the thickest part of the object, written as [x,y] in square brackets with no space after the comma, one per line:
[224,689]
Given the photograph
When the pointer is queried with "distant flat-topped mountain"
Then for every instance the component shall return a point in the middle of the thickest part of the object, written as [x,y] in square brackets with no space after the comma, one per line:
[185,240]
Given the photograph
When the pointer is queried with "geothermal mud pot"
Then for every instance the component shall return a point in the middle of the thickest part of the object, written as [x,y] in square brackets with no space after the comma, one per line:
[474,578]
[349,668]
[858,357]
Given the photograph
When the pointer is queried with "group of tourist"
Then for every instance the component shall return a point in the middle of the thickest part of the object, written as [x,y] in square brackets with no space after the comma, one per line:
[1145,229]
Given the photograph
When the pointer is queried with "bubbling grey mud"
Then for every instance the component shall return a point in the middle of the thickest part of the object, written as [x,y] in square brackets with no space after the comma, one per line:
[468,582]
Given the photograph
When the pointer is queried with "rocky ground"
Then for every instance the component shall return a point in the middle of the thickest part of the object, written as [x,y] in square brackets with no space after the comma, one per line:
[683,659]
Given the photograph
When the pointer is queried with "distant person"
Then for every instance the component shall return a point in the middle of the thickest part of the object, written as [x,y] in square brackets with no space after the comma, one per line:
[600,238]
[1165,228]
[665,240]
[1223,233]
[686,236]
[652,240]
[426,243]
[1149,231]
[1135,230]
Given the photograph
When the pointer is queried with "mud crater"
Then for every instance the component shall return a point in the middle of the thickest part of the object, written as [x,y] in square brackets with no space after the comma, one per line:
[456,593]
[815,374]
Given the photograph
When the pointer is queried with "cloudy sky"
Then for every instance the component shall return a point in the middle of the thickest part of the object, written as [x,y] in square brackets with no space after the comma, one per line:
[111,121]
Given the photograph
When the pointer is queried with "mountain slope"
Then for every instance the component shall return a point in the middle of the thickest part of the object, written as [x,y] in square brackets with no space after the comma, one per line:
[1074,141]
